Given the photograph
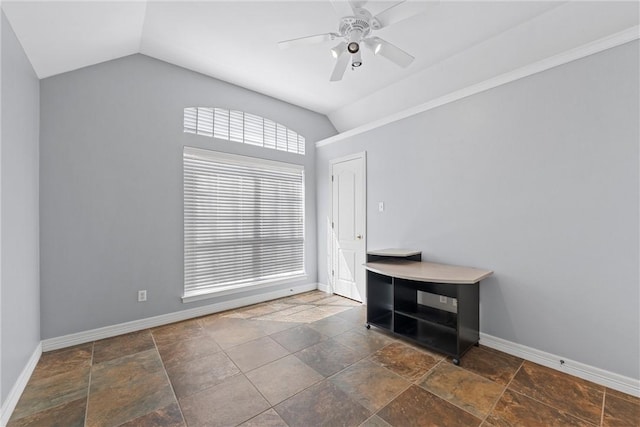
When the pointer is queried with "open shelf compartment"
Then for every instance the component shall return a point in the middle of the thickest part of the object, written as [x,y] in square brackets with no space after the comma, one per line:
[383,321]
[435,316]
[380,300]
[427,334]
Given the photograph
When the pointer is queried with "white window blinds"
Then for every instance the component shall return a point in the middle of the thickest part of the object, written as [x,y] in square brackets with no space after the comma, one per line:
[239,126]
[243,221]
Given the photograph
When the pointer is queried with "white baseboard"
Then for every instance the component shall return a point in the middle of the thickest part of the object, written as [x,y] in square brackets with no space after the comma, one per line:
[590,373]
[324,288]
[18,387]
[163,319]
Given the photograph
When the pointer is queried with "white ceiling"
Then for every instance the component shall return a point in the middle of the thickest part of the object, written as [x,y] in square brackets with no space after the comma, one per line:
[456,44]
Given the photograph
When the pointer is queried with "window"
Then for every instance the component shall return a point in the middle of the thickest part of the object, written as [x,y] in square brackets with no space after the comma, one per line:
[243,222]
[242,127]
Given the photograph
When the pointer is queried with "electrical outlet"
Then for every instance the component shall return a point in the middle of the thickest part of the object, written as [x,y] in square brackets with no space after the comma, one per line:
[142,296]
[443,299]
[380,206]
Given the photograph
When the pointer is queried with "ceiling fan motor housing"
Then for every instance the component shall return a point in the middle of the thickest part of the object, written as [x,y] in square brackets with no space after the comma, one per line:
[356,27]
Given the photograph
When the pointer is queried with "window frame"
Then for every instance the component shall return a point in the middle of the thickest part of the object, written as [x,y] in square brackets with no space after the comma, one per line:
[235,159]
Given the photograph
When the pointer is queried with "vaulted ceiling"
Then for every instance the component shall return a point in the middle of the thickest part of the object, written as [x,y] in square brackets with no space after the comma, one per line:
[456,44]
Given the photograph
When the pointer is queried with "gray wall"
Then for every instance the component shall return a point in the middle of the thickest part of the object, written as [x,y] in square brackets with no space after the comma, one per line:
[20,259]
[111,186]
[537,180]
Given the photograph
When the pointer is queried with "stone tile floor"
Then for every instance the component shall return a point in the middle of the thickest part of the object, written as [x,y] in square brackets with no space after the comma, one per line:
[305,360]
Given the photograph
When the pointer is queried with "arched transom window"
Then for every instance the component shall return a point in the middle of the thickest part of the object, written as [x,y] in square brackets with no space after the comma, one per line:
[239,126]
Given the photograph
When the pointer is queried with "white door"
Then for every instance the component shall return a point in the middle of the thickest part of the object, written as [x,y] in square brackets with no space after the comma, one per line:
[348,219]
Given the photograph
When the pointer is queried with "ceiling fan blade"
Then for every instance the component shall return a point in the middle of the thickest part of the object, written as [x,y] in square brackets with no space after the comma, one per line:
[357,3]
[303,41]
[338,50]
[399,12]
[389,51]
[343,7]
[341,67]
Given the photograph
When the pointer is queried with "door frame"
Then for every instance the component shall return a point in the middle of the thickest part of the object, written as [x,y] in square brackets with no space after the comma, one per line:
[331,243]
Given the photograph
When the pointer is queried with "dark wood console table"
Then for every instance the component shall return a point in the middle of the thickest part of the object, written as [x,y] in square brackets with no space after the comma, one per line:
[394,278]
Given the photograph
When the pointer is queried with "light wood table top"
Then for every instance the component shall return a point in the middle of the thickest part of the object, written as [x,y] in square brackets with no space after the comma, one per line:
[428,271]
[395,252]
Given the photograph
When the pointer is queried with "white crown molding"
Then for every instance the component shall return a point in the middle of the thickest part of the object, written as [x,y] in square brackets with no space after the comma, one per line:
[614,40]
[590,373]
[18,387]
[164,319]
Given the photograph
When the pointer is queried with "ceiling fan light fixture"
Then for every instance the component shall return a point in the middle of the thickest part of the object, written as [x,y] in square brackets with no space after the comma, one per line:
[354,29]
[356,60]
[338,50]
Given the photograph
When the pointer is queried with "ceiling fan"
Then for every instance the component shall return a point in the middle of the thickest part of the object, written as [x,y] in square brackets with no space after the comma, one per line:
[355,30]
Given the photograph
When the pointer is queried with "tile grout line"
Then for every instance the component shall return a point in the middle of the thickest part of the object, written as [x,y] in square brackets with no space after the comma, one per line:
[554,407]
[506,387]
[318,382]
[295,394]
[604,397]
[248,379]
[349,348]
[166,374]
[86,409]
[222,350]
[444,360]
[311,385]
[411,383]
[163,368]
[257,415]
[396,395]
[308,387]
[240,372]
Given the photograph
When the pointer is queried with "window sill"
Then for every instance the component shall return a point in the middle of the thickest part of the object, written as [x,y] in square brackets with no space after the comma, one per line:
[230,290]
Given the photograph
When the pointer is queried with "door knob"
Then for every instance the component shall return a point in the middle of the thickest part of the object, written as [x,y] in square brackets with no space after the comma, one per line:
[359,236]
